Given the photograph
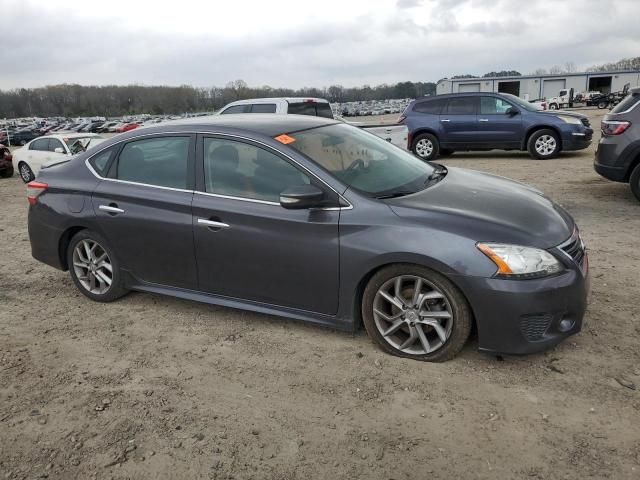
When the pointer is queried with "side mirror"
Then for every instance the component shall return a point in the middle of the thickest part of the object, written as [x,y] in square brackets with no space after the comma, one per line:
[511,111]
[59,150]
[301,197]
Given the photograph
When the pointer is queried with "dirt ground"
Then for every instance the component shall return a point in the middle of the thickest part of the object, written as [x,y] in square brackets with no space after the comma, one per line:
[151,387]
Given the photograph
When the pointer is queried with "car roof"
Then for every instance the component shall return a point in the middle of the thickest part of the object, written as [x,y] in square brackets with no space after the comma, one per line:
[278,99]
[268,124]
[461,94]
[62,136]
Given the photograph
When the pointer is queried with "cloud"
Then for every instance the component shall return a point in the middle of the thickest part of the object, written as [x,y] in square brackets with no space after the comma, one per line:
[285,44]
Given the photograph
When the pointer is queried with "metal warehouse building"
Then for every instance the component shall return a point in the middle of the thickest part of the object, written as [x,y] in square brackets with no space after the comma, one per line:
[531,87]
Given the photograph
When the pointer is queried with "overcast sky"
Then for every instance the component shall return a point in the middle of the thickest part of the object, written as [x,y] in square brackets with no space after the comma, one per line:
[295,43]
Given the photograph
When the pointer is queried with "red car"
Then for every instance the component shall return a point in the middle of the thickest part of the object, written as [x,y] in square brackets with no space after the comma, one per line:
[6,165]
[126,127]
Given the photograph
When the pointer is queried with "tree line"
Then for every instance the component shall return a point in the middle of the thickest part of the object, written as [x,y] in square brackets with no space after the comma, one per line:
[70,100]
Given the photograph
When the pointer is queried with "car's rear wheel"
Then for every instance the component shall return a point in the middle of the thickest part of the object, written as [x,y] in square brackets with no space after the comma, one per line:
[23,142]
[26,174]
[634,181]
[411,311]
[94,268]
[426,146]
[543,144]
[602,105]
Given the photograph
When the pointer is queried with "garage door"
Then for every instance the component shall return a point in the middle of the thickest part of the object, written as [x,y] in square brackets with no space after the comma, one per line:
[551,88]
[468,87]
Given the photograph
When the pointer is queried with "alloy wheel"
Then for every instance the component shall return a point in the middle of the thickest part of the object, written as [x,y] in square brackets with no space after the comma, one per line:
[413,315]
[545,145]
[25,173]
[424,147]
[92,267]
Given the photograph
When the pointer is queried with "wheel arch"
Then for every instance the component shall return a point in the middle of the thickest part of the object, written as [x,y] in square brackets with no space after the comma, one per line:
[63,244]
[535,128]
[420,131]
[364,280]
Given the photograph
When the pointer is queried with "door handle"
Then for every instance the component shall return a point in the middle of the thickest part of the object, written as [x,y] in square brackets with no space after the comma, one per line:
[445,120]
[210,223]
[483,119]
[110,209]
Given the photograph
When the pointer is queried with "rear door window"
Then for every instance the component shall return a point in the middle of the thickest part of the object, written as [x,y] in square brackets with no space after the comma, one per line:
[263,108]
[316,109]
[627,103]
[41,144]
[100,162]
[161,161]
[461,106]
[237,109]
[433,107]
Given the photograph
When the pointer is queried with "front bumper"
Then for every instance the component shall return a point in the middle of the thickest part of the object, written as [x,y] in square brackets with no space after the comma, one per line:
[578,140]
[527,316]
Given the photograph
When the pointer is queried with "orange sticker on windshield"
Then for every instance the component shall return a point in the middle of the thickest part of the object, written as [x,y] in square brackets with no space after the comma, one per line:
[285,139]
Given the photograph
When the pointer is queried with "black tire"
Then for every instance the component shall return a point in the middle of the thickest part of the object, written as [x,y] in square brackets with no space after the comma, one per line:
[446,152]
[26,174]
[116,289]
[7,172]
[634,181]
[543,133]
[553,106]
[460,309]
[23,143]
[426,146]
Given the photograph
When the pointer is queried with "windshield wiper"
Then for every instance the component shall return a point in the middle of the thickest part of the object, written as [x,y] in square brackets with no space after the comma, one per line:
[400,193]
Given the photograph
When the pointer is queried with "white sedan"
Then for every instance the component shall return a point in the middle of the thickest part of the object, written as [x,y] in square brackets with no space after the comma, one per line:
[49,148]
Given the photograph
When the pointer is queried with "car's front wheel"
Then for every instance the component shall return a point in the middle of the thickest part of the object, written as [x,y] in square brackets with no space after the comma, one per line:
[411,311]
[94,268]
[426,146]
[26,174]
[634,181]
[543,144]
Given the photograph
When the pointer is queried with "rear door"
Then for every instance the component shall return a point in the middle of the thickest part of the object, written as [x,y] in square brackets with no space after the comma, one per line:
[458,122]
[144,209]
[499,129]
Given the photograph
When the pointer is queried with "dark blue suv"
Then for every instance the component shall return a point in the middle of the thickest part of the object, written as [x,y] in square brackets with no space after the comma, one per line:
[442,124]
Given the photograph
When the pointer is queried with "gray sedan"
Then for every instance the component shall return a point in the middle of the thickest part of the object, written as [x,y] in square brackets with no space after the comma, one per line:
[315,220]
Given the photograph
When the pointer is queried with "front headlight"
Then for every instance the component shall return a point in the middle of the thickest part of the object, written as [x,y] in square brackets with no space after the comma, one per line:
[514,261]
[571,120]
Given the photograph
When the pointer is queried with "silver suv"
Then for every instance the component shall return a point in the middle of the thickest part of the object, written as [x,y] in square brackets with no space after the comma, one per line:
[618,153]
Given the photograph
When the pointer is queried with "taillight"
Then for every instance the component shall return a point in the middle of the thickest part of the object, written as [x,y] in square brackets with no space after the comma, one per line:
[613,127]
[34,189]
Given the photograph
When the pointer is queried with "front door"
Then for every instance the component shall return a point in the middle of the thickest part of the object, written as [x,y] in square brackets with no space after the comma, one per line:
[247,245]
[499,128]
[144,209]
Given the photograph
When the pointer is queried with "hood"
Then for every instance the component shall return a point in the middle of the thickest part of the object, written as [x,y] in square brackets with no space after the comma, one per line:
[563,112]
[487,208]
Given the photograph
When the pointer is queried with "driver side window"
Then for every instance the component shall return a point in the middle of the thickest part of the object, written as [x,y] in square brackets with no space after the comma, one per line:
[242,170]
[493,106]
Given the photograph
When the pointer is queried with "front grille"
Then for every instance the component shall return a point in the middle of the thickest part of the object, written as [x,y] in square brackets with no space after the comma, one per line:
[574,248]
[585,122]
[533,327]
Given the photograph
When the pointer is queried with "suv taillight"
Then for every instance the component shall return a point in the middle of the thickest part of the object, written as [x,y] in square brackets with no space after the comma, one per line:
[34,189]
[613,127]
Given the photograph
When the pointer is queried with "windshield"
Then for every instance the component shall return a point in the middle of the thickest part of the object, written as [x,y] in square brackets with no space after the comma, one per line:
[362,160]
[521,103]
[80,144]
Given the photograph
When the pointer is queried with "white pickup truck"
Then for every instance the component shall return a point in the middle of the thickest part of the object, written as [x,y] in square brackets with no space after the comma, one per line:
[396,134]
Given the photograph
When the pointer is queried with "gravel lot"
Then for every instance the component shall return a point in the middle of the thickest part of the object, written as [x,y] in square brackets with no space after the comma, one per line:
[159,388]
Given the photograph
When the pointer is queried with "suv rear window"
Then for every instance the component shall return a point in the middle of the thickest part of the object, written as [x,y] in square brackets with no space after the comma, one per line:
[237,109]
[263,108]
[316,109]
[430,106]
[627,103]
